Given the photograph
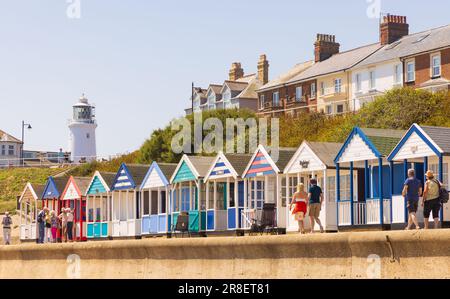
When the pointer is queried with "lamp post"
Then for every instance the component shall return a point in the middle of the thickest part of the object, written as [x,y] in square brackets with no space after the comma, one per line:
[23,141]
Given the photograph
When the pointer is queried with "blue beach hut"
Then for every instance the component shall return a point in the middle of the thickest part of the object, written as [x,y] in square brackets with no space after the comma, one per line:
[126,222]
[155,199]
[367,202]
[424,148]
[225,193]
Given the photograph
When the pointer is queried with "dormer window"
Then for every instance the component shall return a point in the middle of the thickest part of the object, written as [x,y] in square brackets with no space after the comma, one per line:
[211,101]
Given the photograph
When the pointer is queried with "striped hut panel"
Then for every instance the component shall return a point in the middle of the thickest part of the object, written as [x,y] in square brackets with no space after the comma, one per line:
[123,180]
[260,166]
[220,170]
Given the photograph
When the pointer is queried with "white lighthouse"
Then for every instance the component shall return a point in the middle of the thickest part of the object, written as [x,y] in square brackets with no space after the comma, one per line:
[82,132]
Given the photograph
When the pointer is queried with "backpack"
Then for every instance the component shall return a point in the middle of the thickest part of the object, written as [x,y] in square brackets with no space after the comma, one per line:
[443,193]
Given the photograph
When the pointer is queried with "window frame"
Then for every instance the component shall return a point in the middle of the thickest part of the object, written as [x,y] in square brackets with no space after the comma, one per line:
[298,93]
[398,74]
[358,79]
[372,80]
[338,87]
[408,63]
[432,66]
[262,99]
[313,90]
[276,94]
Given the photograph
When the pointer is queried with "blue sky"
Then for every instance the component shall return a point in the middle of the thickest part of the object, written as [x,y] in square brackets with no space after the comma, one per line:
[136,59]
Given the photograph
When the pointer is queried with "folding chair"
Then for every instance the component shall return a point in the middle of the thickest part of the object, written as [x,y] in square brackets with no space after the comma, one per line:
[182,225]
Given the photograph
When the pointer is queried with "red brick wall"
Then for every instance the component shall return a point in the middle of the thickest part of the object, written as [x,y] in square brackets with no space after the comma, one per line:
[423,67]
[289,102]
[445,60]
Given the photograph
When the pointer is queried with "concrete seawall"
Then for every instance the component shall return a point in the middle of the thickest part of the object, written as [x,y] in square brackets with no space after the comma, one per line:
[421,254]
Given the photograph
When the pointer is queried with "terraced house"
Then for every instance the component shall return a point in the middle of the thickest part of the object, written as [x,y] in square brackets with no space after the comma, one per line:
[339,82]
[239,91]
[420,60]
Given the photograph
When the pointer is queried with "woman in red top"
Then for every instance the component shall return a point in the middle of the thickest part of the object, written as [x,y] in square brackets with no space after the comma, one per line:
[299,201]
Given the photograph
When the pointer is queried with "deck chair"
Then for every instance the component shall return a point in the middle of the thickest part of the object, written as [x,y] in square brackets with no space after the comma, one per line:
[265,221]
[182,225]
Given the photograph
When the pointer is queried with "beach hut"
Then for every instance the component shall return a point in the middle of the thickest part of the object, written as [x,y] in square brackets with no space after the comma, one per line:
[53,189]
[263,175]
[155,199]
[98,205]
[424,148]
[188,191]
[29,202]
[126,222]
[73,197]
[366,203]
[313,160]
[225,192]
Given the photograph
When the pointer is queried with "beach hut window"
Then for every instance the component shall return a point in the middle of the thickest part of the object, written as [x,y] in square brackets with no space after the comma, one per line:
[91,215]
[116,214]
[345,187]
[203,197]
[123,207]
[331,189]
[232,199]
[210,196]
[221,190]
[131,206]
[104,208]
[154,205]
[163,202]
[146,203]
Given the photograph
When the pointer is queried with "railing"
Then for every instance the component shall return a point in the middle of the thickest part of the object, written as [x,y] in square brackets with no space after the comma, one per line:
[364,212]
[43,161]
[359,213]
[247,217]
[333,91]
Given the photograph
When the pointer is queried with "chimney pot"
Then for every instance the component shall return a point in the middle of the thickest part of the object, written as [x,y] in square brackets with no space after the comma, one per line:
[236,71]
[325,47]
[263,69]
[393,28]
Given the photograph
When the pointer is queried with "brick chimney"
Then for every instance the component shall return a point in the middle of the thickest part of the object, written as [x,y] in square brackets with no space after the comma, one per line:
[263,69]
[236,71]
[325,47]
[393,28]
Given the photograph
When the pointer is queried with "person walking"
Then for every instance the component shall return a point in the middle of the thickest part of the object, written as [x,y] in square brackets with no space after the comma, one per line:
[54,225]
[299,201]
[412,190]
[7,222]
[63,220]
[41,225]
[431,202]
[315,198]
[69,224]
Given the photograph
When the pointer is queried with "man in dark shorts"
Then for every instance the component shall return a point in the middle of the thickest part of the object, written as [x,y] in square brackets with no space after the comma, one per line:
[412,190]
